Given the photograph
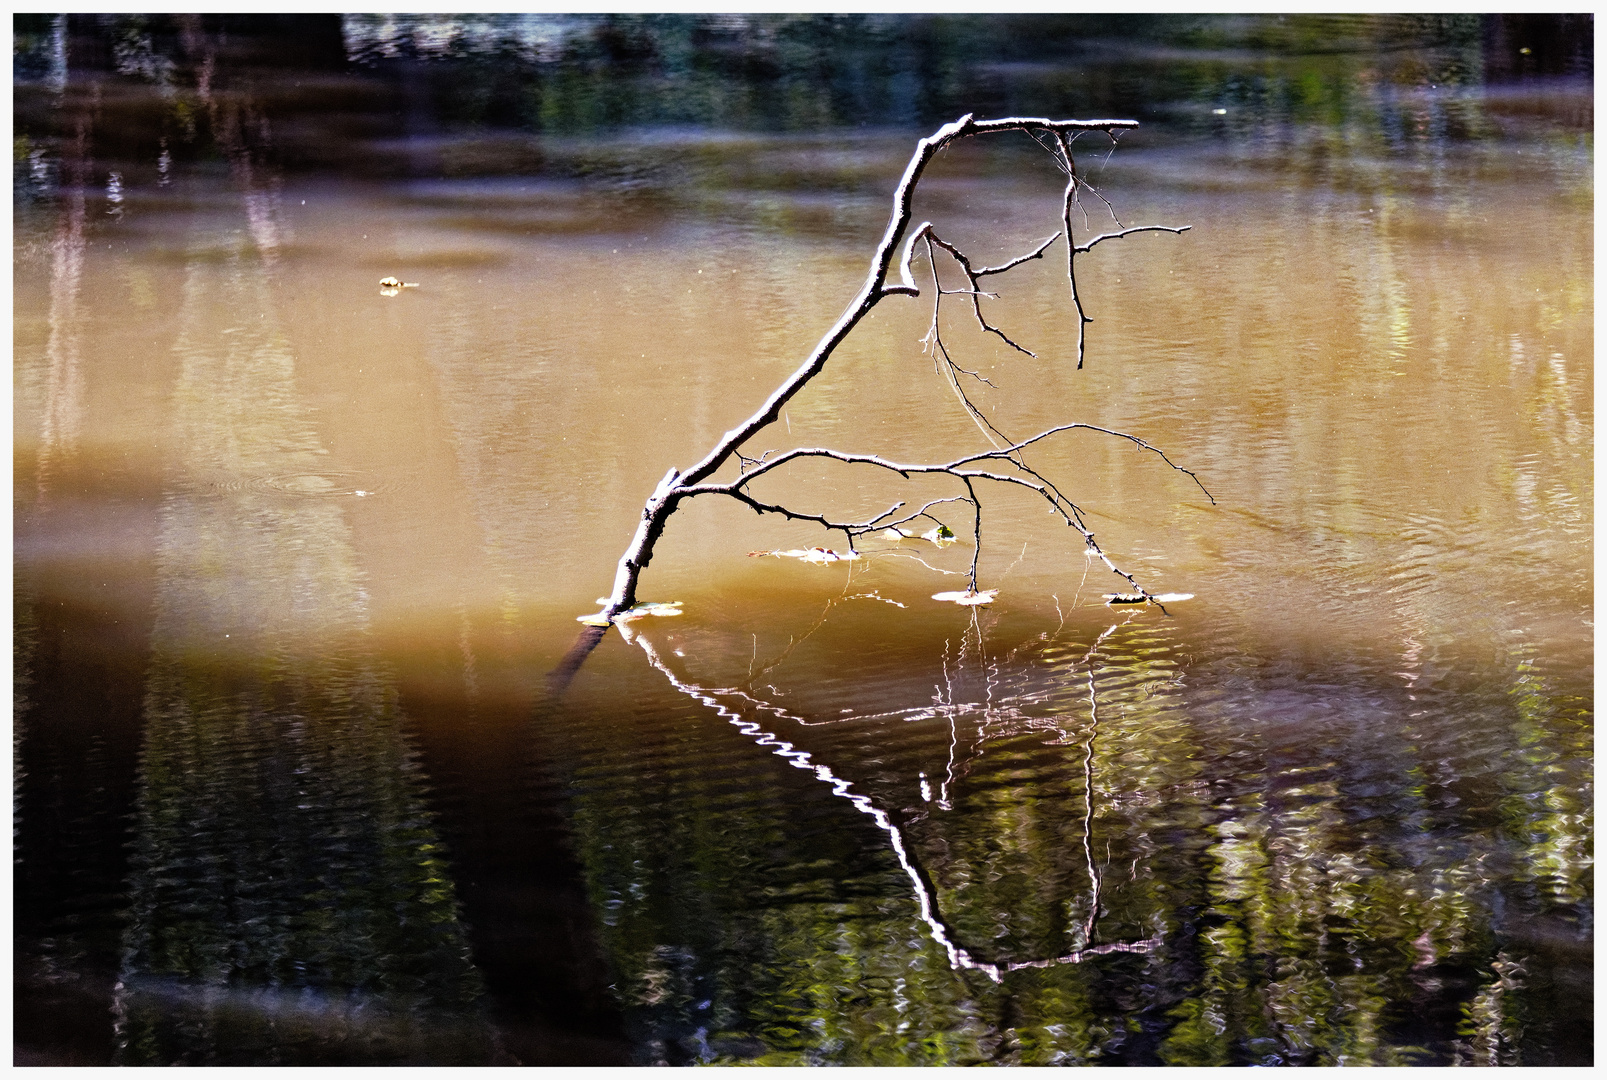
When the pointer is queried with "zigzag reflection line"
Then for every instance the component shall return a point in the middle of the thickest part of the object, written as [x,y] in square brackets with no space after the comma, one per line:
[937,927]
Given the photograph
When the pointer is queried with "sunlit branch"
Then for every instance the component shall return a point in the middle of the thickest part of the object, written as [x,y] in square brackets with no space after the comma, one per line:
[975,291]
[1082,248]
[1035,253]
[896,251]
[976,530]
[1068,510]
[950,467]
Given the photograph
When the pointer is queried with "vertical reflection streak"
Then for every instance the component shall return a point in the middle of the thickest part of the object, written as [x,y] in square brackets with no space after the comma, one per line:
[288,899]
[64,388]
[1094,880]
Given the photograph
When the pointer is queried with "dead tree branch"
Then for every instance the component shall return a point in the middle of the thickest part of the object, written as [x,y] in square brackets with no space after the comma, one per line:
[968,471]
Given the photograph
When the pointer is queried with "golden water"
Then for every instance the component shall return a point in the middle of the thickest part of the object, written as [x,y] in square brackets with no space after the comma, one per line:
[1338,802]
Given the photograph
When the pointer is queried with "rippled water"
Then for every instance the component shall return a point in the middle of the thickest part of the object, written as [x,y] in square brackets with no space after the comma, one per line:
[294,560]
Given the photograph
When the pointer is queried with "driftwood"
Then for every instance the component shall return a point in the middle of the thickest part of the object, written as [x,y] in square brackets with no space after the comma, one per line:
[1005,463]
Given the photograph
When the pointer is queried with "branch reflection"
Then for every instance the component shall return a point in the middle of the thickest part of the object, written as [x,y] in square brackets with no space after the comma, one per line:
[740,706]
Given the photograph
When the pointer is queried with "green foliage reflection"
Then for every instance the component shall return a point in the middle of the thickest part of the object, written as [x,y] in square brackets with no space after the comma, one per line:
[1267,911]
[289,903]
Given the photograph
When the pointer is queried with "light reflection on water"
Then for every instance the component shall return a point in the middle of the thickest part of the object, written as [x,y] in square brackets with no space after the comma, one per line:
[320,545]
[1322,853]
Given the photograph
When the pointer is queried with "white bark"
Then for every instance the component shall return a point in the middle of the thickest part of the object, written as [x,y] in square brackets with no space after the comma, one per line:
[678,486]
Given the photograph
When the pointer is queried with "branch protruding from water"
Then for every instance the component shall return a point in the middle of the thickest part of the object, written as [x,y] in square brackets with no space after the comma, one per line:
[676,487]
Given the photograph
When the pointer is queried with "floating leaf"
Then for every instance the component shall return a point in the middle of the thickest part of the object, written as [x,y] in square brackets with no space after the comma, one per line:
[969,599]
[643,610]
[942,536]
[810,555]
[637,612]
[1139,598]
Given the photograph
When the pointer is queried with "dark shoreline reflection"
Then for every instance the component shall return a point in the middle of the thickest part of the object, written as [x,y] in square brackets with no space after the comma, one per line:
[421,96]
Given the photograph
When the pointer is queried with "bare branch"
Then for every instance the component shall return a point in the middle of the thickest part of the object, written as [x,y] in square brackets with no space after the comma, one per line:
[1067,510]
[1035,253]
[934,337]
[908,287]
[1067,201]
[849,529]
[1082,248]
[950,467]
[975,292]
[1026,123]
[923,512]
[677,486]
[976,529]
[1134,439]
[1101,198]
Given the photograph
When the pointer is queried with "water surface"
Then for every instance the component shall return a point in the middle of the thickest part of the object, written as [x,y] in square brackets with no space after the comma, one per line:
[294,559]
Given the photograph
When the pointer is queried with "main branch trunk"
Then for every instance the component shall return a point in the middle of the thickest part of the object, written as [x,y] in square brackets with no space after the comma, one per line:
[659,507]
[675,486]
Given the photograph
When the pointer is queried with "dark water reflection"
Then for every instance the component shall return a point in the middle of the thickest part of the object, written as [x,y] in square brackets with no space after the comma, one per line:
[294,559]
[282,849]
[1082,847]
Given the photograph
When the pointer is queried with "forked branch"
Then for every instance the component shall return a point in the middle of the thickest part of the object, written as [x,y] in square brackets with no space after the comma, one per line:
[1004,464]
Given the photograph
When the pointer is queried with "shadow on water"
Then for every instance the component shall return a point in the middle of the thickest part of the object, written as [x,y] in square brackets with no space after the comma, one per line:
[560,677]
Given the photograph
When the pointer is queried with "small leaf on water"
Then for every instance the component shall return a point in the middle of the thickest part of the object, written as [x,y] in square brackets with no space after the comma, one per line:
[641,611]
[942,536]
[811,555]
[637,612]
[969,599]
[1139,598]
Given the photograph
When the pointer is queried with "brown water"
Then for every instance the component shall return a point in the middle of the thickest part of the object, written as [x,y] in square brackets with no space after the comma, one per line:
[294,558]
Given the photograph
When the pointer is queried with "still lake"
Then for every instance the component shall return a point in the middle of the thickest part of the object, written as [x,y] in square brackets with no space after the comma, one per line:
[294,558]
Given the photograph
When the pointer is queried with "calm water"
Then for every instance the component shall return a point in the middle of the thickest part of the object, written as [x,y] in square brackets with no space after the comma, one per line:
[294,559]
